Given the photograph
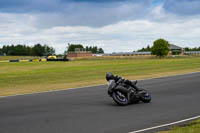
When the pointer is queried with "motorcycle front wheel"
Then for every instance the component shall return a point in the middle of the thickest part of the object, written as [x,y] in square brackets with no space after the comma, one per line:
[120,98]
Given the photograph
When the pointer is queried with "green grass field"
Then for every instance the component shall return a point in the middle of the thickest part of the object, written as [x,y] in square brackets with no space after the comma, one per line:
[194,127]
[28,77]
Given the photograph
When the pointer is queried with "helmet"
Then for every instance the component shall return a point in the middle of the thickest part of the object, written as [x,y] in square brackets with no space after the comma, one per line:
[109,76]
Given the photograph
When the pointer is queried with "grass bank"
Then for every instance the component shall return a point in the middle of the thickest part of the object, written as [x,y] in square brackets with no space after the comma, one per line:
[28,77]
[3,58]
[193,127]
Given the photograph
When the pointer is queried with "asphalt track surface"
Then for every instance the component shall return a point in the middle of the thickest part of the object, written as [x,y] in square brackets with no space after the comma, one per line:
[90,109]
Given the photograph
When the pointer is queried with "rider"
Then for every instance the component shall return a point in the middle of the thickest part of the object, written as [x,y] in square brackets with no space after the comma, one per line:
[110,76]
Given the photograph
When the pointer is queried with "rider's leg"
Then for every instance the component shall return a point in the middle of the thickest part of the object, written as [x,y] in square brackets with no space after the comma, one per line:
[128,82]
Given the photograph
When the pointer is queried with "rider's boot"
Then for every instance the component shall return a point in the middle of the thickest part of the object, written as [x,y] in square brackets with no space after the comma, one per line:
[133,84]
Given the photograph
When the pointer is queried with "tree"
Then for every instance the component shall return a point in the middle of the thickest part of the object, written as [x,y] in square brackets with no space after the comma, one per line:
[86,48]
[147,49]
[48,50]
[93,49]
[73,47]
[37,50]
[160,48]
[90,48]
[5,49]
[192,49]
[101,51]
[187,49]
[42,50]
[1,51]
[19,50]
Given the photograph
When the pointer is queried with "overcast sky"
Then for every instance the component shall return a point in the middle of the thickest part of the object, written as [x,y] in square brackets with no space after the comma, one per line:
[114,25]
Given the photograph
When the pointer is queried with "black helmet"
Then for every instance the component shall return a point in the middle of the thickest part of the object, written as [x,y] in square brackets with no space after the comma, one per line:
[109,76]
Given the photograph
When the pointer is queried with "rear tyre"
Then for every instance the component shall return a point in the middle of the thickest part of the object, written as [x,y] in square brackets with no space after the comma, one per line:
[145,96]
[120,98]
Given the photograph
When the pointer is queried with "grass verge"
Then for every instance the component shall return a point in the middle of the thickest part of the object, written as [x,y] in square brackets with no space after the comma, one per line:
[193,127]
[29,77]
[3,58]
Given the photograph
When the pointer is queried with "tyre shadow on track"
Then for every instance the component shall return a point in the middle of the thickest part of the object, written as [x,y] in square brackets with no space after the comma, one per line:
[113,104]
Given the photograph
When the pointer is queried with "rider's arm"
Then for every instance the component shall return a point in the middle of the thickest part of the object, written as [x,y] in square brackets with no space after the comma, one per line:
[119,79]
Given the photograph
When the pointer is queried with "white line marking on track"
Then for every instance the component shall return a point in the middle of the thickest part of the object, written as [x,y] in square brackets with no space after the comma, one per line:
[94,85]
[165,125]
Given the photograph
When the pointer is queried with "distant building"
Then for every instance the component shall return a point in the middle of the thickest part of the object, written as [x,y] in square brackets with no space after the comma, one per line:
[79,54]
[128,53]
[97,55]
[175,50]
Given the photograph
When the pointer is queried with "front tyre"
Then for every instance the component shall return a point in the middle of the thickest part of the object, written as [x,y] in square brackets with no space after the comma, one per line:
[145,96]
[120,98]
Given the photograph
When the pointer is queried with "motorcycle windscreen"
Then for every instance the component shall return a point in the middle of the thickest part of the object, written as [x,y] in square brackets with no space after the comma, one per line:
[111,84]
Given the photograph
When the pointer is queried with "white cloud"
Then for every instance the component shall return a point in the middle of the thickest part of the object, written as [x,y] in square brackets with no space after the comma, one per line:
[122,36]
[158,12]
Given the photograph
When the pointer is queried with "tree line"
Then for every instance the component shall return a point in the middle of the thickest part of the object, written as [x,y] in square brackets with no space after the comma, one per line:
[80,47]
[23,50]
[44,50]
[147,49]
[192,49]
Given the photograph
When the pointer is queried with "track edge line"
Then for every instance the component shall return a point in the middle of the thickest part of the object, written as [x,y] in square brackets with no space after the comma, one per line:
[165,125]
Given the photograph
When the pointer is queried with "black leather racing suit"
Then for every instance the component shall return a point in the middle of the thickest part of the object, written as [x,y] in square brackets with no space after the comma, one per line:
[127,82]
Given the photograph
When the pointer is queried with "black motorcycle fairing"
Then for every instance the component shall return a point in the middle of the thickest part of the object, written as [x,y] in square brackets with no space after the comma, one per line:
[121,89]
[142,91]
[111,86]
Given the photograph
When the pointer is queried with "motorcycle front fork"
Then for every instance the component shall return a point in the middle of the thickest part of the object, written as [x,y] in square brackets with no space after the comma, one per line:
[131,91]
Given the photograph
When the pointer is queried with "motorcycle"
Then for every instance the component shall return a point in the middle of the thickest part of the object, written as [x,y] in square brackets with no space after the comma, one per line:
[124,94]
